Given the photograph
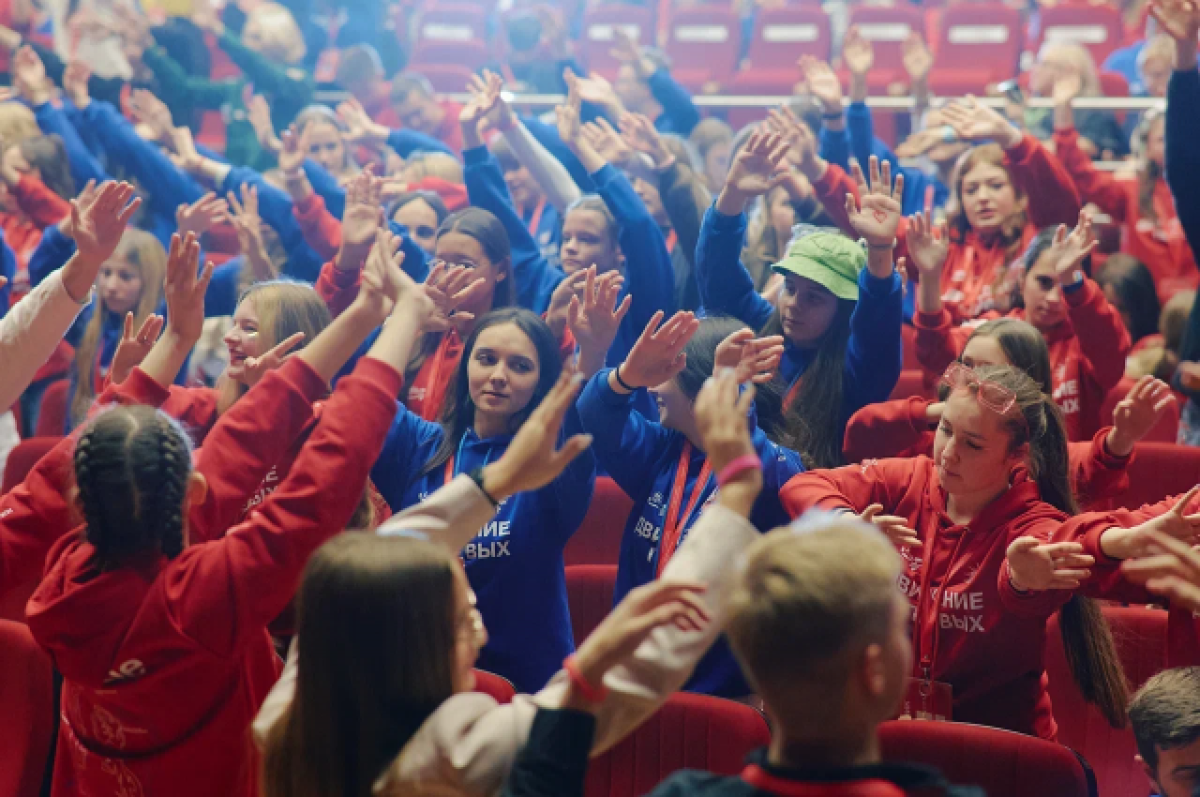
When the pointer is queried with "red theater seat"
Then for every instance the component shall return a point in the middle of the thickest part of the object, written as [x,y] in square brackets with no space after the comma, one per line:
[1099,28]
[451,23]
[22,459]
[1140,635]
[27,694]
[598,24]
[589,596]
[688,732]
[496,686]
[781,35]
[979,44]
[1003,763]
[1167,428]
[704,43]
[598,540]
[52,417]
[886,27]
[1160,470]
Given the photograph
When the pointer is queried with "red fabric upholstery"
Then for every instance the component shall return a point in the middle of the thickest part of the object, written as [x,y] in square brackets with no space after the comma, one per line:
[781,35]
[1167,428]
[704,43]
[52,417]
[914,383]
[1003,763]
[1141,637]
[464,55]
[1099,28]
[1159,470]
[494,685]
[886,27]
[689,732]
[597,41]
[589,596]
[451,23]
[27,694]
[598,540]
[978,44]
[22,459]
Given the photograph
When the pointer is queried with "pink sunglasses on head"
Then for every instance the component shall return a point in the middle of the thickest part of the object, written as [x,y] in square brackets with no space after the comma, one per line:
[996,398]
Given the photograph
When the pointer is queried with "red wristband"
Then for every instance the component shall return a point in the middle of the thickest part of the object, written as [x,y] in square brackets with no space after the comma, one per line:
[743,463]
[591,693]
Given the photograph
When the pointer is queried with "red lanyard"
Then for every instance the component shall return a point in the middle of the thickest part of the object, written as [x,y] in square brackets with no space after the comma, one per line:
[672,239]
[435,391]
[673,528]
[536,220]
[924,655]
[449,470]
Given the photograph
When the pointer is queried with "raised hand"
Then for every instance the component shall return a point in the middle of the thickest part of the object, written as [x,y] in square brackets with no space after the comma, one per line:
[658,354]
[499,115]
[259,115]
[755,170]
[752,359]
[1069,251]
[928,246]
[607,142]
[200,216]
[857,52]
[98,229]
[973,121]
[822,83]
[133,347]
[1034,565]
[385,285]
[567,115]
[247,224]
[1180,19]
[1066,89]
[721,412]
[184,291]
[639,133]
[361,128]
[891,525]
[918,60]
[255,368]
[533,460]
[595,320]
[879,215]
[185,157]
[484,97]
[803,144]
[152,112]
[628,51]
[598,91]
[75,83]
[1137,413]
[360,219]
[29,76]
[292,153]
[449,288]
[1169,568]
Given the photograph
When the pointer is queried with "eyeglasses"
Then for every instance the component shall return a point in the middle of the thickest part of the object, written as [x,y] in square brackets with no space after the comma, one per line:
[996,398]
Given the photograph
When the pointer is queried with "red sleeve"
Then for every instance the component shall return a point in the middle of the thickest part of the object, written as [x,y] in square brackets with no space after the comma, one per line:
[454,195]
[225,592]
[1097,474]
[321,230]
[1047,185]
[1043,522]
[1095,186]
[831,189]
[1107,582]
[255,432]
[1102,336]
[194,407]
[939,340]
[34,515]
[337,287]
[43,207]
[854,487]
[887,429]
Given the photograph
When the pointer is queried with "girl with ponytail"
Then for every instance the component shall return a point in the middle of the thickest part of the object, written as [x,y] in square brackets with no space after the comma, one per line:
[979,520]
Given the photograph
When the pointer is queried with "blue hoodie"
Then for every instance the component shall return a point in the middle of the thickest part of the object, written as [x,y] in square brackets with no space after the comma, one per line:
[874,354]
[642,457]
[515,563]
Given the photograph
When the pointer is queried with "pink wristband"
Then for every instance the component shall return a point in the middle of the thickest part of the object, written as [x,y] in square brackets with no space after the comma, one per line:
[590,693]
[742,463]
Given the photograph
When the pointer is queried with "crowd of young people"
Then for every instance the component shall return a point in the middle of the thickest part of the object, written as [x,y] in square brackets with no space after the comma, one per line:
[273,564]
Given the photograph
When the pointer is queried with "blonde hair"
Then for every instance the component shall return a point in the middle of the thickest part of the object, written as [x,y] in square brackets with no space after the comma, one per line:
[806,595]
[17,123]
[144,252]
[285,42]
[433,164]
[1081,62]
[283,308]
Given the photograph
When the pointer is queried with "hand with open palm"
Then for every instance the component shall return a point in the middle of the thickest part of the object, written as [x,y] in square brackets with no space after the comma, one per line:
[877,214]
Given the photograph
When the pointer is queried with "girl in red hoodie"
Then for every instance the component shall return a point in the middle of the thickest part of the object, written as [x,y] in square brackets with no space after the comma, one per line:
[974,525]
[162,645]
[1087,340]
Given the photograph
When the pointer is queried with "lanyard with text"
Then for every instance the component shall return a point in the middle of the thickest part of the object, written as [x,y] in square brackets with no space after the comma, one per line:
[535,220]
[926,698]
[674,525]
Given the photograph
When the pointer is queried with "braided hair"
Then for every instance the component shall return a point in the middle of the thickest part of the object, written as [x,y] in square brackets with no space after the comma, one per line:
[132,466]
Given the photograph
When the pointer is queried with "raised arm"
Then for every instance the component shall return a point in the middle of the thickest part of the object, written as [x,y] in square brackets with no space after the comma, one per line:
[1182,22]
[1094,186]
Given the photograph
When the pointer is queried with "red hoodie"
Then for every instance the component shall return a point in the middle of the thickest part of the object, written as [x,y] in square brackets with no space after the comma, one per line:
[900,429]
[1158,242]
[987,640]
[1087,354]
[165,662]
[975,277]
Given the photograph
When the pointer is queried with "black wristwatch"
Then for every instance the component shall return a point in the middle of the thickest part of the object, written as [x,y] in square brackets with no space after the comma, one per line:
[477,476]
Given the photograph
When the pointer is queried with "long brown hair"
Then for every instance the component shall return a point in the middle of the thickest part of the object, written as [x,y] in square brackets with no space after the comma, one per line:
[1013,228]
[1086,637]
[142,251]
[360,696]
[1149,173]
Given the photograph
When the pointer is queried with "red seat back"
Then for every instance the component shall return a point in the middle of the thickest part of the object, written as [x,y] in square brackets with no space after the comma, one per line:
[589,596]
[22,459]
[1099,28]
[886,27]
[52,417]
[688,732]
[1141,638]
[27,694]
[1004,763]
[1160,470]
[598,24]
[704,43]
[1167,428]
[781,35]
[978,44]
[451,23]
[598,540]
[496,686]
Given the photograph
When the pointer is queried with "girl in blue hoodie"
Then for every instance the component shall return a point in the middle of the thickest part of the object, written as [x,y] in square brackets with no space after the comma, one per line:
[662,466]
[515,563]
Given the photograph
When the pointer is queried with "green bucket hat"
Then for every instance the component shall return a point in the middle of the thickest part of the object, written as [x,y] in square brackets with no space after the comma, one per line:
[827,259]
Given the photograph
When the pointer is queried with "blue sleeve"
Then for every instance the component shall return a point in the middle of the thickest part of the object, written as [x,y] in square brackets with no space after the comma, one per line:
[678,109]
[51,254]
[626,444]
[416,261]
[275,207]
[406,142]
[835,147]
[222,294]
[535,278]
[1183,156]
[168,186]
[726,288]
[86,134]
[325,185]
[860,128]
[211,154]
[571,492]
[411,442]
[874,353]
[547,136]
[8,270]
[82,163]
[649,275]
